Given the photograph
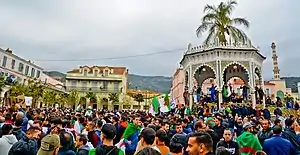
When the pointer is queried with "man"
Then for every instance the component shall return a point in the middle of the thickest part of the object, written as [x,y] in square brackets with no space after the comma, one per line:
[92,136]
[28,144]
[161,137]
[179,129]
[147,137]
[185,125]
[265,132]
[228,143]
[17,130]
[200,143]
[278,145]
[81,145]
[131,135]
[49,145]
[218,128]
[292,133]
[22,114]
[108,133]
[248,142]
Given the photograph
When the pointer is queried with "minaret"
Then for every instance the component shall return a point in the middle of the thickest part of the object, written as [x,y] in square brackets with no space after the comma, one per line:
[276,69]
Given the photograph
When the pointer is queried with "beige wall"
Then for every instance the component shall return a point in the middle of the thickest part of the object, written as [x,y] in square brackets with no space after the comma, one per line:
[178,86]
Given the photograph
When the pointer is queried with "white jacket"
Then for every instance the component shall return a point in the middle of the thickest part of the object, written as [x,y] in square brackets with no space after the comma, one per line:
[6,142]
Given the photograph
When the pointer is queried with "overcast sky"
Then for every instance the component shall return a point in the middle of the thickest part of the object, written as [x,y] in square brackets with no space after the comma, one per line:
[76,29]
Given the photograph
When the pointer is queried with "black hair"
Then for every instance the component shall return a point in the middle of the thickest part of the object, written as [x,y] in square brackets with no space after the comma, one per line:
[148,134]
[83,138]
[203,137]
[161,135]
[6,128]
[148,151]
[277,130]
[19,122]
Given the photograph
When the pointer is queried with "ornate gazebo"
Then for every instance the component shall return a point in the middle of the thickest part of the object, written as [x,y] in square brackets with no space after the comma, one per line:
[222,62]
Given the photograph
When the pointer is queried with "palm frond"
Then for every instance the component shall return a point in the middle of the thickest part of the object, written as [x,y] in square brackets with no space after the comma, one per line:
[202,28]
[210,17]
[241,21]
[210,8]
[210,35]
[239,35]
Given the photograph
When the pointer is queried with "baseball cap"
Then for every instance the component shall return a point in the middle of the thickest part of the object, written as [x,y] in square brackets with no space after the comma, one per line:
[109,130]
[248,125]
[49,144]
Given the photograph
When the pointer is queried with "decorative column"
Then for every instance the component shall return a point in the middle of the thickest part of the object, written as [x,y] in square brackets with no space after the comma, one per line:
[252,92]
[191,87]
[220,97]
[262,85]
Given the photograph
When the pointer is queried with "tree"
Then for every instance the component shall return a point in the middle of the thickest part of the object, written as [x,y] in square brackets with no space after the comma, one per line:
[49,97]
[35,90]
[139,98]
[91,96]
[113,97]
[73,97]
[219,24]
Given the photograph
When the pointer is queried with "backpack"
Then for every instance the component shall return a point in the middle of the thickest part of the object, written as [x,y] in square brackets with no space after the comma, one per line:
[93,151]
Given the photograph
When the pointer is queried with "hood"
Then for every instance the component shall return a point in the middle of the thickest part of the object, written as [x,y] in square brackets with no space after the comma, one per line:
[11,139]
[246,139]
[106,150]
[17,131]
[85,147]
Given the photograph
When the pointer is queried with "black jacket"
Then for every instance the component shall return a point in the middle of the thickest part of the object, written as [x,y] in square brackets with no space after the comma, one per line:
[231,146]
[107,150]
[19,133]
[84,150]
[24,146]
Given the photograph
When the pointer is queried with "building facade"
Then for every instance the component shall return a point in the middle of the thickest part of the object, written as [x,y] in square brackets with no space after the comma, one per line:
[101,80]
[177,88]
[18,68]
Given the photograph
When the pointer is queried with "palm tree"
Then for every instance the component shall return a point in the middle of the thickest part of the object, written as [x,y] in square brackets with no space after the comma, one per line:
[35,90]
[113,97]
[139,98]
[73,97]
[219,24]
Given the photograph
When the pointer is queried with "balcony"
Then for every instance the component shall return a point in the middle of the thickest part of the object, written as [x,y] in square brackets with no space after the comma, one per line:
[95,89]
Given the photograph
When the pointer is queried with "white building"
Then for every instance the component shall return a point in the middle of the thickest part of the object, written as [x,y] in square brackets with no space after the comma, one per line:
[22,70]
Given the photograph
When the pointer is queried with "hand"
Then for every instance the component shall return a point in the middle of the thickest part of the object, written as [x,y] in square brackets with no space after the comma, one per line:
[17,105]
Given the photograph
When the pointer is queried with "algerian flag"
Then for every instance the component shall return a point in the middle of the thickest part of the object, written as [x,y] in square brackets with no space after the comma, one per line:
[228,91]
[224,92]
[78,108]
[187,111]
[154,108]
[167,101]
[173,104]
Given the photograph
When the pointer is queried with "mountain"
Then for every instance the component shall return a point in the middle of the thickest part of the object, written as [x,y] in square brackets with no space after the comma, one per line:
[291,82]
[155,83]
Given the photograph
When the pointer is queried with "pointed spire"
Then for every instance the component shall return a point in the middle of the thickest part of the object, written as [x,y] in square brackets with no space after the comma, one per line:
[276,70]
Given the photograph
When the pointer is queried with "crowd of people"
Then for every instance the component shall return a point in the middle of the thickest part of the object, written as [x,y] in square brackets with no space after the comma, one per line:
[60,131]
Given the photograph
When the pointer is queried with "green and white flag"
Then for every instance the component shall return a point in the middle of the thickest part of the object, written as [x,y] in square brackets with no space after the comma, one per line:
[154,108]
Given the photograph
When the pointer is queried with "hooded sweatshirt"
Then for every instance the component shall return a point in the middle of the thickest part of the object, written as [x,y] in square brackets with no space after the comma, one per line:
[6,142]
[106,150]
[248,143]
[83,150]
[18,132]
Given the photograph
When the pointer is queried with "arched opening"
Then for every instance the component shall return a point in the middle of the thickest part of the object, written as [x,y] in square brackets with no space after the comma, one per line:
[204,84]
[258,77]
[235,83]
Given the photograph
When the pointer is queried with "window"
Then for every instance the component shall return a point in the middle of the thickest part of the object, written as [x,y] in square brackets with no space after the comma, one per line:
[26,70]
[95,72]
[38,74]
[106,73]
[4,61]
[116,87]
[13,63]
[32,72]
[85,72]
[83,84]
[94,85]
[21,67]
[105,85]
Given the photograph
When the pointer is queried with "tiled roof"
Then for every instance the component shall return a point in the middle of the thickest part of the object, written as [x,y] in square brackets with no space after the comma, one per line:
[268,83]
[116,70]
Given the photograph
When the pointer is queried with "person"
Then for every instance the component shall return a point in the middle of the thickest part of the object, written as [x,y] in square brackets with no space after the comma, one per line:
[222,151]
[148,151]
[161,137]
[265,132]
[247,141]
[177,144]
[28,144]
[200,143]
[81,145]
[91,134]
[290,133]
[108,133]
[147,139]
[17,130]
[49,145]
[277,145]
[65,141]
[131,134]
[7,140]
[228,143]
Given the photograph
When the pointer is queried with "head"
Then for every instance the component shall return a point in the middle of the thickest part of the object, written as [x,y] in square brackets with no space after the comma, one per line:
[178,128]
[265,124]
[222,151]
[277,130]
[166,126]
[291,123]
[90,126]
[249,127]
[185,122]
[6,129]
[177,144]
[33,133]
[260,153]
[218,121]
[148,151]
[108,133]
[49,145]
[81,140]
[20,115]
[278,122]
[161,136]
[199,144]
[65,139]
[137,120]
[147,137]
[227,135]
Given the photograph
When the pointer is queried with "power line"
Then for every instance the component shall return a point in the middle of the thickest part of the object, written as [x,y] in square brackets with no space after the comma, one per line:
[115,58]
